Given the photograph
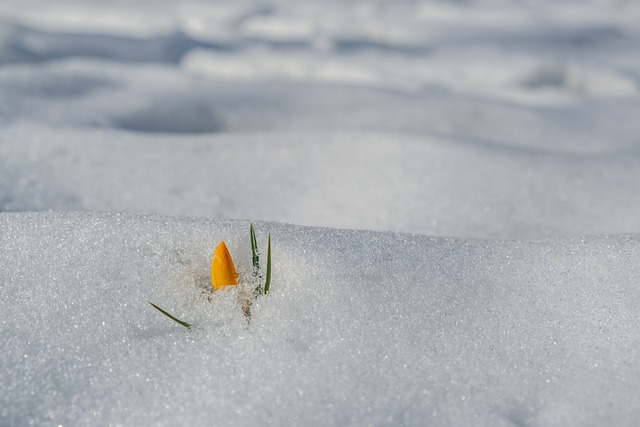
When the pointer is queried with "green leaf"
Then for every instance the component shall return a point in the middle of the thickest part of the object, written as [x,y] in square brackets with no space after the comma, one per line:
[185,324]
[256,274]
[268,281]
[254,251]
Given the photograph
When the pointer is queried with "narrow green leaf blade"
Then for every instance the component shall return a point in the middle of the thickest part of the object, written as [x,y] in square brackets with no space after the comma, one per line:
[185,324]
[254,250]
[268,280]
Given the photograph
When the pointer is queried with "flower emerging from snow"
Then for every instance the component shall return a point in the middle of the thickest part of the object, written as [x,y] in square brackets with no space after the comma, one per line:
[223,272]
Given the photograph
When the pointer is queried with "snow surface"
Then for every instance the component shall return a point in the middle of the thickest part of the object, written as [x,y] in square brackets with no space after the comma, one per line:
[361,327]
[463,178]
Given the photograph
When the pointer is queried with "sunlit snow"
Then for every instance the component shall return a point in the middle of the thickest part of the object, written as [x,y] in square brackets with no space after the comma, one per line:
[452,190]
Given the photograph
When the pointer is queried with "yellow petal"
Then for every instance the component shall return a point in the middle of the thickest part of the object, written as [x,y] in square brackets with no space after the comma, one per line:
[223,272]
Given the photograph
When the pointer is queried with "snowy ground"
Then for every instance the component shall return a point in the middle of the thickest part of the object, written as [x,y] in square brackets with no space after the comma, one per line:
[463,177]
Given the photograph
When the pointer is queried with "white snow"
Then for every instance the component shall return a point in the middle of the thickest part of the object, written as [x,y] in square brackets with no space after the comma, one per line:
[451,190]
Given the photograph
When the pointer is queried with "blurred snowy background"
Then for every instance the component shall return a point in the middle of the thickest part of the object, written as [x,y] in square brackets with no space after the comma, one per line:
[501,119]
[508,120]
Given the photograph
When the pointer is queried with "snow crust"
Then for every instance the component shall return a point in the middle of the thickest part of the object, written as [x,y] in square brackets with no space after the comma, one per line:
[451,189]
[360,328]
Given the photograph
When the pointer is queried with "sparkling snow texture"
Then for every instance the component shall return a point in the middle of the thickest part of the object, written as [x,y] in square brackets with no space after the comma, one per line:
[360,328]
[463,178]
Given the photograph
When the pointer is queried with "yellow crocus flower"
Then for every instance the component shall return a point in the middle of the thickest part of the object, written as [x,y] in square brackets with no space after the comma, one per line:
[223,272]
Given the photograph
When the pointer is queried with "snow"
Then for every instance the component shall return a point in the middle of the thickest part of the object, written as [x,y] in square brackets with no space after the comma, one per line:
[361,327]
[451,190]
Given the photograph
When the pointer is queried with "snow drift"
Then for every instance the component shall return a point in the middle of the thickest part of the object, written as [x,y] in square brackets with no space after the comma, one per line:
[360,327]
[506,130]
